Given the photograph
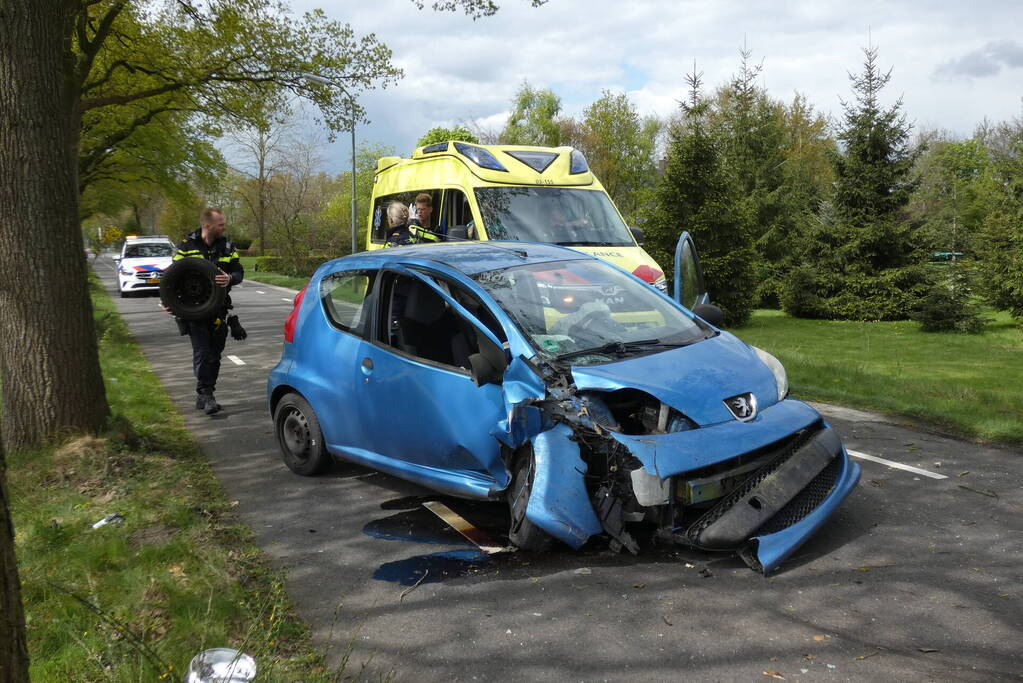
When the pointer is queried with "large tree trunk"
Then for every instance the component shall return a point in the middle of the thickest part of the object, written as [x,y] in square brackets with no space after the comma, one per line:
[49,360]
[13,650]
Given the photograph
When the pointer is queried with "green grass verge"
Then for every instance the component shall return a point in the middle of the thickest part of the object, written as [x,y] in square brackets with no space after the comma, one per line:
[249,263]
[136,601]
[966,384]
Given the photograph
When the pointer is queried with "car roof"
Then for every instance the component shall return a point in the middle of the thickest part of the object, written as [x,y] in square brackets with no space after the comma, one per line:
[148,240]
[472,257]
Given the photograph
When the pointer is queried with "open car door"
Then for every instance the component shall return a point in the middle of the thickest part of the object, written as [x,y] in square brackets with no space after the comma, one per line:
[689,290]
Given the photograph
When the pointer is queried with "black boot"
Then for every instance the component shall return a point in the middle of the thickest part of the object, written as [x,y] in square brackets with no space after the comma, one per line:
[210,405]
[200,401]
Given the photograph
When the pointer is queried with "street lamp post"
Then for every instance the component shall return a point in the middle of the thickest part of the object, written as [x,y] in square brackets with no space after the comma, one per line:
[314,78]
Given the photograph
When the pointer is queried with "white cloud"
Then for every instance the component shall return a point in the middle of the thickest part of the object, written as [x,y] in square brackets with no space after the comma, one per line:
[459,70]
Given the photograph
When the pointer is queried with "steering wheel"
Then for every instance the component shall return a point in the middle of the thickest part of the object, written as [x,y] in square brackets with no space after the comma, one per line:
[595,325]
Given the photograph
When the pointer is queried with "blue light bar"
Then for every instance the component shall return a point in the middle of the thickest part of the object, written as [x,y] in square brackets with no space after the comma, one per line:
[479,156]
[579,164]
[439,147]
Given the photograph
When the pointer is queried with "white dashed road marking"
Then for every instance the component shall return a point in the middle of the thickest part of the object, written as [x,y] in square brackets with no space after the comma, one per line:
[283,299]
[260,291]
[236,360]
[897,465]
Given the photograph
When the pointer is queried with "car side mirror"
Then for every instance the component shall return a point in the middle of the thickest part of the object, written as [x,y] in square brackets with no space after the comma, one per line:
[710,313]
[638,234]
[458,233]
[489,364]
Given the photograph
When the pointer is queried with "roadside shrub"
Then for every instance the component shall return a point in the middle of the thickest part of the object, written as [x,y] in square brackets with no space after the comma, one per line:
[949,307]
[242,243]
[798,294]
[298,267]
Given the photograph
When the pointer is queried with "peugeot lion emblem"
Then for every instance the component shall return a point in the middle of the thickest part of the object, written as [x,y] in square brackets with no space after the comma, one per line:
[743,406]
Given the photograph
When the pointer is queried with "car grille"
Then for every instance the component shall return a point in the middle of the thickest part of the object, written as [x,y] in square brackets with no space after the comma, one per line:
[801,505]
[806,501]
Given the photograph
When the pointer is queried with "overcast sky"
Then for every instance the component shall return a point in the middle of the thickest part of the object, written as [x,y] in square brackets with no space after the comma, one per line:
[953,63]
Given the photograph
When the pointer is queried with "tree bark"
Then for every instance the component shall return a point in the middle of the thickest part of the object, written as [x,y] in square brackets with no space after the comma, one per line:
[13,647]
[49,360]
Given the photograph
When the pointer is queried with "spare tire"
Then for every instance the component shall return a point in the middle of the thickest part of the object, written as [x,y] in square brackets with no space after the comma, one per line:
[188,290]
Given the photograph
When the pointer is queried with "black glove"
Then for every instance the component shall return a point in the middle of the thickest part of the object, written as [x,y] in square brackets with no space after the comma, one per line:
[237,331]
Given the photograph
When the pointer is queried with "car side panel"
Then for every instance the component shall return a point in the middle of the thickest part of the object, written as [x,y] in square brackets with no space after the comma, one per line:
[433,416]
[324,371]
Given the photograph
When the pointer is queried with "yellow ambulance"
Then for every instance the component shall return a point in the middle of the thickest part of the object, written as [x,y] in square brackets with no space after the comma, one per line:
[510,192]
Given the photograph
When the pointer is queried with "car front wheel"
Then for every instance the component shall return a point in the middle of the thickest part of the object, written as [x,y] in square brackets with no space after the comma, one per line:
[299,437]
[523,533]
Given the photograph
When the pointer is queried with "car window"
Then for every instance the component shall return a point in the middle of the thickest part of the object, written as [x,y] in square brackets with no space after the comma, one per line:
[419,322]
[148,251]
[344,298]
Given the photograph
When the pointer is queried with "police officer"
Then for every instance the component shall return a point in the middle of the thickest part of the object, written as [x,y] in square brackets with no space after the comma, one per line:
[208,337]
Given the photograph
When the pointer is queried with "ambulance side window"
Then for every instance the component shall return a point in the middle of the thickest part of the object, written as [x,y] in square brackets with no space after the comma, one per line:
[379,227]
[458,212]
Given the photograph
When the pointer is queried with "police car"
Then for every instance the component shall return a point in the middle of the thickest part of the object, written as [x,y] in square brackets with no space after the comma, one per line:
[142,262]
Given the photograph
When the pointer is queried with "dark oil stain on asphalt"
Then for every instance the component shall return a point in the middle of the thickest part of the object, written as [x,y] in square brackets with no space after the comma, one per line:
[418,525]
[433,568]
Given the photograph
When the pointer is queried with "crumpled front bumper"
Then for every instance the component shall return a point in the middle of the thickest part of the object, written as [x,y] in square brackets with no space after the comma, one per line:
[779,506]
[765,520]
[772,549]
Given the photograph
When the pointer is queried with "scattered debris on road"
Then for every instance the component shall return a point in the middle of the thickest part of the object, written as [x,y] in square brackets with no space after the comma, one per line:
[413,586]
[464,527]
[983,492]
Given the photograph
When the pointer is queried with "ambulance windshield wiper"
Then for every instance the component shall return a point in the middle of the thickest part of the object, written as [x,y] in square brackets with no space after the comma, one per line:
[618,348]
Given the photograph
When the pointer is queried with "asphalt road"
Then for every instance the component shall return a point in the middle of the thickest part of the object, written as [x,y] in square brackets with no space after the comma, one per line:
[916,578]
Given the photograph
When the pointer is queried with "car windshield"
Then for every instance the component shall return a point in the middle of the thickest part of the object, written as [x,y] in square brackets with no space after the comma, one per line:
[148,250]
[589,312]
[555,215]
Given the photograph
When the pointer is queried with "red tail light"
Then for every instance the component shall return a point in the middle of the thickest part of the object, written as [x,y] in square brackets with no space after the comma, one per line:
[648,274]
[289,324]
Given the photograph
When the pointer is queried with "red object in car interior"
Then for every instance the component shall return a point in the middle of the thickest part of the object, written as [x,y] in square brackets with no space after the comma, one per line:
[289,324]
[648,274]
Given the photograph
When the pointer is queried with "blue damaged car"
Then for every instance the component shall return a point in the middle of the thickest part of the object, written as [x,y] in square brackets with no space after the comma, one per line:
[590,402]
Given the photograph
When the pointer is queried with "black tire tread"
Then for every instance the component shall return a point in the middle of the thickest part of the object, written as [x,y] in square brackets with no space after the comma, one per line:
[317,458]
[182,271]
[523,533]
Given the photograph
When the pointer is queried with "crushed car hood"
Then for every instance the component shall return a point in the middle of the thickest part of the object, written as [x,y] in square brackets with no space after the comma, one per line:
[666,455]
[693,379]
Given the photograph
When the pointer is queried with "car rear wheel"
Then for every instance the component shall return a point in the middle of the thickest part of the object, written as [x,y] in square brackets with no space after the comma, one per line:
[299,437]
[523,533]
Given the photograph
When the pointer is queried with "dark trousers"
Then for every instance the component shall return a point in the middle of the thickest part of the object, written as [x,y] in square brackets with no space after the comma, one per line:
[208,340]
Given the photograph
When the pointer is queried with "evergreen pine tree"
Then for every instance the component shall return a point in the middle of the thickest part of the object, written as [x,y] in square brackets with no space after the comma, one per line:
[696,194]
[751,129]
[862,262]
[1000,246]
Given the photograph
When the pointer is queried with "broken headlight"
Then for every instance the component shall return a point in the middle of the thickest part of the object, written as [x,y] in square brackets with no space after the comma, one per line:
[631,411]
